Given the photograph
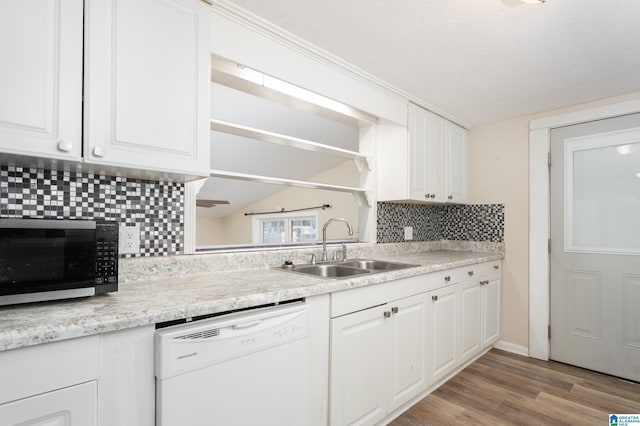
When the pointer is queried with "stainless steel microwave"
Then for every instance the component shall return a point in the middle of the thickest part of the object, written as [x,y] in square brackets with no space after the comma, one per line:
[48,259]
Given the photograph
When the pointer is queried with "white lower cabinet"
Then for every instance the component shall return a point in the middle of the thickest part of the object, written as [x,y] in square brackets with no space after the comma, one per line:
[72,406]
[443,332]
[470,319]
[491,308]
[378,360]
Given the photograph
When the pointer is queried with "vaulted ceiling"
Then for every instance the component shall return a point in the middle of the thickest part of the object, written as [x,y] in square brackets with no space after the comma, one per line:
[478,60]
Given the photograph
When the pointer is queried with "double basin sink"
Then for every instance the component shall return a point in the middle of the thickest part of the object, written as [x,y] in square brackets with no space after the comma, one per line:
[348,268]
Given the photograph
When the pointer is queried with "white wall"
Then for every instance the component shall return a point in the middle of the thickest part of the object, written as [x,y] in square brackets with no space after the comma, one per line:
[499,173]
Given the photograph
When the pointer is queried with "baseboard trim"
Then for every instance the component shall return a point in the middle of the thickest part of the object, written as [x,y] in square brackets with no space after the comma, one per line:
[511,347]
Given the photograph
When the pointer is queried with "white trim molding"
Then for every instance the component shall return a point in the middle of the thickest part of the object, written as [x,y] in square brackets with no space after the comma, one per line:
[511,347]
[539,209]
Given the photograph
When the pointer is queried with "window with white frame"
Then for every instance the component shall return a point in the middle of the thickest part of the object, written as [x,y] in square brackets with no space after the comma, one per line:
[282,228]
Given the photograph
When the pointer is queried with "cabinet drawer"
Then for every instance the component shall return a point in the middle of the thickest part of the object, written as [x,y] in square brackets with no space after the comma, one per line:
[357,299]
[487,268]
[445,278]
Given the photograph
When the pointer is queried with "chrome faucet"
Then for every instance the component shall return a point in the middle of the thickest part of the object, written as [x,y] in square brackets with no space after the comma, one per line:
[324,234]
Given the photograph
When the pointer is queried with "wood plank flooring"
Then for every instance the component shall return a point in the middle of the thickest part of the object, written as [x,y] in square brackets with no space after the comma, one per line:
[507,389]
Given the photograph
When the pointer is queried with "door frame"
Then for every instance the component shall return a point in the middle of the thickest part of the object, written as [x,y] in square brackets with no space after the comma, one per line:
[539,211]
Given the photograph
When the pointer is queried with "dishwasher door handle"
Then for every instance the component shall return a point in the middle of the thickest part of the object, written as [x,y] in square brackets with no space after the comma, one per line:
[246,325]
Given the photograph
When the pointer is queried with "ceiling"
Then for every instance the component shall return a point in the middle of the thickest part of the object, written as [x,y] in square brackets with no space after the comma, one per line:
[478,60]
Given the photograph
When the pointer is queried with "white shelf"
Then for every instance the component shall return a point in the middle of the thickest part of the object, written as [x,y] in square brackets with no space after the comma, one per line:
[361,195]
[361,160]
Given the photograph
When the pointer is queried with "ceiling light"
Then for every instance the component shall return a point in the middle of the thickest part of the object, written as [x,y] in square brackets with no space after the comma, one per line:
[638,175]
[533,1]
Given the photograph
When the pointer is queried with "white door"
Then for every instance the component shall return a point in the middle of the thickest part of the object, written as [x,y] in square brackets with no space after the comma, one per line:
[426,155]
[595,245]
[443,327]
[470,318]
[72,406]
[41,78]
[490,310]
[357,367]
[456,161]
[147,77]
[406,342]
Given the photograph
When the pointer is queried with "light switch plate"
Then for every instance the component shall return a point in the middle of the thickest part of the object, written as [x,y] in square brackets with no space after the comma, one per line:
[408,233]
[129,239]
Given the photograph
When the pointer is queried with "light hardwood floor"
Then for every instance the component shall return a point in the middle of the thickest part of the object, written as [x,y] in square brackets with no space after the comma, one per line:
[506,389]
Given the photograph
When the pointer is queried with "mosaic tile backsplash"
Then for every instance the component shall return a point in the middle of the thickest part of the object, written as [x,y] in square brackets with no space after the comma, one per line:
[479,222]
[49,194]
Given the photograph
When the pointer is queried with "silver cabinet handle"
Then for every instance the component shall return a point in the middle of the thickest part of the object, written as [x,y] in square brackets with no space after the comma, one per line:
[447,278]
[496,267]
[470,273]
[434,298]
[427,195]
[98,151]
[65,146]
[433,196]
[394,310]
[387,314]
[484,282]
[450,197]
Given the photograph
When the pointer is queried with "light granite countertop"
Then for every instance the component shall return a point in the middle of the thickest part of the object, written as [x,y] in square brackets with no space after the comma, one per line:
[146,301]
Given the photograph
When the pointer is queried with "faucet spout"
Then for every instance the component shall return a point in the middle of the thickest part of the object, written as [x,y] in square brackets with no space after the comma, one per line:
[324,234]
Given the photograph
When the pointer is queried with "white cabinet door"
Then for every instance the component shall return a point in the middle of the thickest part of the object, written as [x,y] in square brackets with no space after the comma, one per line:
[470,319]
[406,343]
[443,332]
[426,155]
[147,66]
[72,406]
[490,310]
[456,164]
[357,367]
[41,78]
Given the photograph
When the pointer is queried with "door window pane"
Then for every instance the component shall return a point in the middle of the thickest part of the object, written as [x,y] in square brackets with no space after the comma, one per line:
[603,198]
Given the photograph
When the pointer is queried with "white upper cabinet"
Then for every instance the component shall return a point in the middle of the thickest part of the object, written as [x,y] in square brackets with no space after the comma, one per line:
[41,78]
[147,73]
[456,164]
[429,166]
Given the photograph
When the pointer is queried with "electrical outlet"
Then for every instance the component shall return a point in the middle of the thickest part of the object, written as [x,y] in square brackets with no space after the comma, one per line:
[129,239]
[408,233]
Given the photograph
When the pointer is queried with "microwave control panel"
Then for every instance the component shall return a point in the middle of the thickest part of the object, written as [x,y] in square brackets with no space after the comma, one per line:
[106,257]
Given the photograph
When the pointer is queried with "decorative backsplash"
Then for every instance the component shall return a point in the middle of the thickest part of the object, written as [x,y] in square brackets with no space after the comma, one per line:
[478,222]
[42,193]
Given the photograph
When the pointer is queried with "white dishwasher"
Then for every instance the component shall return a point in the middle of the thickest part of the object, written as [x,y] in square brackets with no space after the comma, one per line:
[245,368]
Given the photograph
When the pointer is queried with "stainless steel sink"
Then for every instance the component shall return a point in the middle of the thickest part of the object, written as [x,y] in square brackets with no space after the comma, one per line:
[376,265]
[329,270]
[348,268]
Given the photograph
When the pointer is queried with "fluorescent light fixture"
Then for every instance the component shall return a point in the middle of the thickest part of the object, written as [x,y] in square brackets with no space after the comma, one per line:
[627,149]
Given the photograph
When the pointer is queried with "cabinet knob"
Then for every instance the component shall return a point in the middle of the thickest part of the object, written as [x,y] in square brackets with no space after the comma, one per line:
[433,196]
[496,267]
[470,273]
[484,282]
[450,197]
[447,278]
[434,298]
[98,151]
[394,310]
[65,146]
[427,195]
[387,314]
